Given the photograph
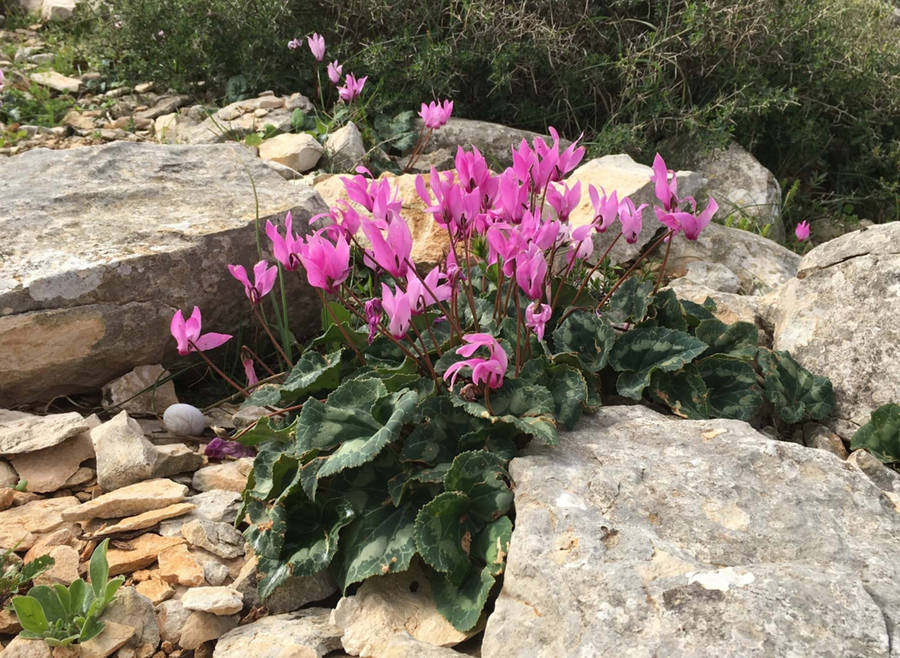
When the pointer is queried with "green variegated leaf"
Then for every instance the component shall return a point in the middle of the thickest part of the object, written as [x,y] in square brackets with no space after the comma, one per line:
[266,395]
[35,567]
[444,534]
[642,351]
[669,312]
[587,336]
[795,393]
[380,541]
[736,340]
[263,431]
[683,391]
[355,451]
[630,302]
[482,476]
[344,416]
[492,544]
[312,373]
[527,407]
[462,604]
[733,392]
[570,391]
[881,435]
[695,313]
[398,485]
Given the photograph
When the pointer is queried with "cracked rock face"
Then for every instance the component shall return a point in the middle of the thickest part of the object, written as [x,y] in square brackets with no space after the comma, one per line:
[838,318]
[646,535]
[103,244]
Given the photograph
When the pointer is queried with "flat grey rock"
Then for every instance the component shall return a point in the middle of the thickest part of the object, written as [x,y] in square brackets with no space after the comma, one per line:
[102,245]
[647,535]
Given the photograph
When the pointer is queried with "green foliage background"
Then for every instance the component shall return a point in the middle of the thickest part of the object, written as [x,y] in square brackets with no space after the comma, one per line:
[812,88]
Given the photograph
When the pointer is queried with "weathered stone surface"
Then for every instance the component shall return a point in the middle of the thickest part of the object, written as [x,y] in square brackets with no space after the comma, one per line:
[155,588]
[761,264]
[77,311]
[495,141]
[742,187]
[646,535]
[19,525]
[7,495]
[213,505]
[134,610]
[142,552]
[202,627]
[178,566]
[299,151]
[21,432]
[881,476]
[49,469]
[626,177]
[306,633]
[404,645]
[112,638]
[838,319]
[170,619]
[57,82]
[8,476]
[64,569]
[712,275]
[129,501]
[220,539]
[820,437]
[145,520]
[730,307]
[214,600]
[22,648]
[230,476]
[174,458]
[67,534]
[344,148]
[294,593]
[124,393]
[386,605]
[57,10]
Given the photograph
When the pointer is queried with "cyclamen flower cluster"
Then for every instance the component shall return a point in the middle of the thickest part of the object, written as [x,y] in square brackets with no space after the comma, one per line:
[352,87]
[520,215]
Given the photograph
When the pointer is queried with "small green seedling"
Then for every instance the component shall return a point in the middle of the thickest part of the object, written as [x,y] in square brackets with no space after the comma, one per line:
[14,575]
[62,615]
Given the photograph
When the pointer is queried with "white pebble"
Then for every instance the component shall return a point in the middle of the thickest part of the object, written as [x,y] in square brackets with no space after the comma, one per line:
[184,419]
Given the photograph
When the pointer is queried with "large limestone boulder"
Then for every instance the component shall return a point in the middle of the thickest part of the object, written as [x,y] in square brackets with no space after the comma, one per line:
[838,318]
[103,244]
[647,535]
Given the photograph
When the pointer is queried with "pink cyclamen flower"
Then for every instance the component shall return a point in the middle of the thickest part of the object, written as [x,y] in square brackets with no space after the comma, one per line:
[531,268]
[316,45]
[286,249]
[802,230]
[398,308]
[489,371]
[327,265]
[436,114]
[564,201]
[688,222]
[250,371]
[606,208]
[391,254]
[630,218]
[187,334]
[293,44]
[263,280]
[334,72]
[666,189]
[373,310]
[352,87]
[581,244]
[536,317]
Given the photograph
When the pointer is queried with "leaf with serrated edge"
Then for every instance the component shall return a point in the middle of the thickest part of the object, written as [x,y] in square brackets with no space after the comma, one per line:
[443,536]
[492,544]
[881,435]
[795,393]
[641,351]
[683,391]
[462,604]
[733,392]
[480,475]
[380,541]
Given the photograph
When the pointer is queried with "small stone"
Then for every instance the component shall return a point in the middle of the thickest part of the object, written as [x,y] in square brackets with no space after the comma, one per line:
[80,477]
[184,419]
[307,632]
[880,475]
[145,520]
[170,619]
[57,82]
[202,627]
[131,500]
[142,551]
[155,588]
[21,432]
[298,101]
[9,623]
[8,476]
[111,638]
[178,565]
[285,172]
[49,469]
[64,569]
[7,496]
[124,455]
[57,10]
[220,539]
[124,393]
[344,148]
[299,151]
[820,437]
[65,535]
[143,87]
[230,476]
[19,525]
[133,609]
[175,458]
[212,505]
[22,648]
[215,573]
[215,600]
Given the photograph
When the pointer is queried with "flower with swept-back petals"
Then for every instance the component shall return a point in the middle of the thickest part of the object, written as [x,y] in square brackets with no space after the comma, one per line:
[391,254]
[531,268]
[398,307]
[287,248]
[688,222]
[630,218]
[436,114]
[327,265]
[187,334]
[352,87]
[666,188]
[564,201]
[606,207]
[373,310]
[536,317]
[293,44]
[334,72]
[263,280]
[802,230]
[489,371]
[316,45]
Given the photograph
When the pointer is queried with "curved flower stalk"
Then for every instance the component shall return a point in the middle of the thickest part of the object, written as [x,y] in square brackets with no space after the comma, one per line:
[487,371]
[434,115]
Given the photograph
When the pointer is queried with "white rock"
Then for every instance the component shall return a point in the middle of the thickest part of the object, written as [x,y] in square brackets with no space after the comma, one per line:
[344,148]
[300,152]
[184,419]
[214,600]
[57,82]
